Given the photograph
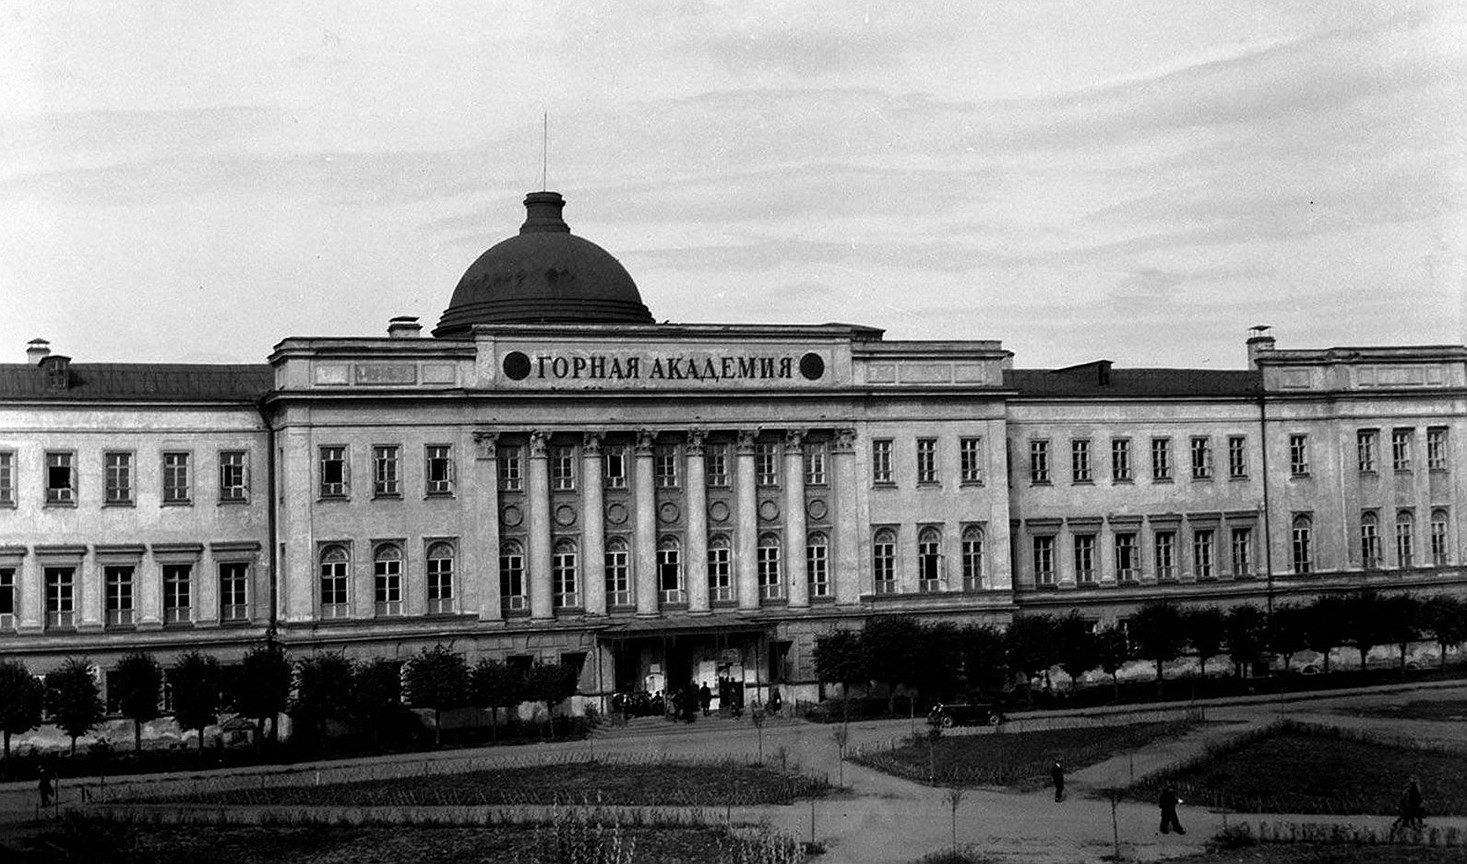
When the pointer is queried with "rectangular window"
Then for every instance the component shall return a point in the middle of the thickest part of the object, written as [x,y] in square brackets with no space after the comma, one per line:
[670,574]
[60,596]
[60,478]
[1126,556]
[614,466]
[1161,460]
[1039,461]
[1401,448]
[1237,457]
[1165,547]
[926,461]
[883,562]
[970,460]
[565,577]
[1242,553]
[118,480]
[1202,554]
[1201,458]
[562,468]
[387,471]
[1302,541]
[7,479]
[881,474]
[1080,460]
[234,481]
[7,598]
[817,568]
[1044,560]
[771,582]
[118,582]
[1365,447]
[664,466]
[512,597]
[930,569]
[618,586]
[766,464]
[177,593]
[1436,448]
[1439,555]
[234,591]
[440,469]
[511,475]
[1120,460]
[815,464]
[440,578]
[715,465]
[1405,539]
[177,479]
[333,472]
[972,549]
[720,572]
[1369,540]
[1085,559]
[1299,455]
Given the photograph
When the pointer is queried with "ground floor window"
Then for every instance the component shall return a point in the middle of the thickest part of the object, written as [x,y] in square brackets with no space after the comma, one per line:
[972,558]
[1044,560]
[119,580]
[512,596]
[60,596]
[387,579]
[883,561]
[177,593]
[334,580]
[440,578]
[234,591]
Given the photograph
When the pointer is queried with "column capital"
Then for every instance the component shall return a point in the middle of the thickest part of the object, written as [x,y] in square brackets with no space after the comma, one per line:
[746,438]
[845,441]
[696,436]
[486,444]
[539,440]
[646,439]
[794,441]
[591,443]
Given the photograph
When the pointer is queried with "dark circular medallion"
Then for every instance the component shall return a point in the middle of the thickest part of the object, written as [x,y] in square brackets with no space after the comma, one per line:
[616,514]
[768,511]
[668,513]
[511,516]
[718,511]
[565,515]
[817,509]
[812,366]
[517,365]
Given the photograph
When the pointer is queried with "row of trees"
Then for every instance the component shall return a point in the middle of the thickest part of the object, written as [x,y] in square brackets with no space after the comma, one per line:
[943,659]
[323,688]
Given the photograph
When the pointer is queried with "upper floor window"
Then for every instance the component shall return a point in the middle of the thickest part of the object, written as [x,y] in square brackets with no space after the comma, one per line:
[1120,460]
[511,469]
[664,465]
[1084,549]
[926,461]
[334,480]
[815,463]
[1365,449]
[1405,539]
[614,466]
[1126,563]
[440,469]
[562,467]
[1302,546]
[1440,551]
[720,568]
[1043,559]
[119,478]
[440,577]
[60,596]
[817,564]
[970,460]
[119,584]
[1203,554]
[1237,457]
[60,477]
[1201,458]
[973,558]
[1080,471]
[618,584]
[1164,545]
[177,593]
[512,596]
[1401,448]
[1161,460]
[1242,552]
[8,606]
[670,570]
[929,560]
[1039,461]
[234,479]
[771,581]
[177,479]
[1436,448]
[387,471]
[387,579]
[565,574]
[881,473]
[1299,455]
[335,578]
[1369,540]
[883,561]
[7,478]
[234,591]
[715,465]
[766,464]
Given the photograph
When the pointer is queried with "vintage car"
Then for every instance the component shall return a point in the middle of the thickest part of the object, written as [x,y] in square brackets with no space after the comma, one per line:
[949,714]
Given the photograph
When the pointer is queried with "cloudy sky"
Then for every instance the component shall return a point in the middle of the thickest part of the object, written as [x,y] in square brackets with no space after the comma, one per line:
[1134,180]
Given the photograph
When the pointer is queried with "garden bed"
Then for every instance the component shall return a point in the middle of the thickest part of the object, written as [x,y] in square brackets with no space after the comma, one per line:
[1445,710]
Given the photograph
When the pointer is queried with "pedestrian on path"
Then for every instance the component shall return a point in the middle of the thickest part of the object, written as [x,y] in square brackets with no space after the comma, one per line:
[1057,774]
[705,698]
[43,784]
[1412,809]
[1169,802]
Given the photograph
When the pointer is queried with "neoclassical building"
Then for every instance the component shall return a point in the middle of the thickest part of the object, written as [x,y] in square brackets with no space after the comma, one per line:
[552,475]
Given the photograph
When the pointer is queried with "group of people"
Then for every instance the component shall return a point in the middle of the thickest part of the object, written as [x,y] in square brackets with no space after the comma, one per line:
[1167,801]
[684,703]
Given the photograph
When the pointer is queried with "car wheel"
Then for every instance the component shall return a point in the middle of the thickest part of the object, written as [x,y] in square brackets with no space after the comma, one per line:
[947,722]
[995,719]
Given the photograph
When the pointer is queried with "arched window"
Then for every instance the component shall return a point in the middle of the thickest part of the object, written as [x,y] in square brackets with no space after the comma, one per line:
[973,558]
[564,565]
[771,585]
[440,578]
[1369,541]
[618,583]
[1405,539]
[720,568]
[1440,554]
[929,560]
[335,570]
[883,561]
[817,564]
[1303,544]
[512,597]
[387,579]
[670,570]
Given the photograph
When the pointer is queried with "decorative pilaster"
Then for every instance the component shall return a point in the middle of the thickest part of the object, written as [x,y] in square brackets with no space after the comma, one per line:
[747,540]
[542,599]
[697,500]
[794,519]
[593,531]
[847,559]
[481,553]
[646,531]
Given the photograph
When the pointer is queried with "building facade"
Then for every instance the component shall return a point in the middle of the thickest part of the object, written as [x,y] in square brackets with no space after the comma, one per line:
[551,475]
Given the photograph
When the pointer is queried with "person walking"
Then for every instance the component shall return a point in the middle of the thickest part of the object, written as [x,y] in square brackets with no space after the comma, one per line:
[1412,811]
[1168,803]
[43,785]
[776,702]
[705,698]
[1057,774]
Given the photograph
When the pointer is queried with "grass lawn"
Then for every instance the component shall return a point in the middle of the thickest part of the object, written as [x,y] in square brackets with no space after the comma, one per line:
[1445,709]
[1299,768]
[642,785]
[1304,853]
[1015,759]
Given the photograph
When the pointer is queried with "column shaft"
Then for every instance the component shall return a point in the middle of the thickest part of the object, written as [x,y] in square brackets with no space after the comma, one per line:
[542,601]
[847,562]
[697,502]
[593,532]
[747,540]
[794,519]
[646,533]
[480,554]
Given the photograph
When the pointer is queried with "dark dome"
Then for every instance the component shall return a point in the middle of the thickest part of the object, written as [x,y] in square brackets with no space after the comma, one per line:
[544,274]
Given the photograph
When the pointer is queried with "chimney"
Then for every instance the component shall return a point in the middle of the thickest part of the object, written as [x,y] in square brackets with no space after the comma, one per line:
[1259,342]
[35,350]
[404,327]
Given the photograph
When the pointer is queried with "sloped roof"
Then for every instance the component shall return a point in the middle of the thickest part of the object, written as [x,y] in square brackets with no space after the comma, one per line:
[140,381]
[1084,381]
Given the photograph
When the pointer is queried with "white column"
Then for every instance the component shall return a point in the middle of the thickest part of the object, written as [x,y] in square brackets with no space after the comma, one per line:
[697,501]
[87,594]
[480,551]
[847,561]
[542,602]
[298,586]
[593,534]
[148,579]
[746,541]
[646,532]
[32,587]
[794,518]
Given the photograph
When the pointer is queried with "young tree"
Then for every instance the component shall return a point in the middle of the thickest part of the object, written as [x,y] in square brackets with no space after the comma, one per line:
[1287,631]
[138,682]
[22,699]
[197,682]
[437,678]
[322,692]
[983,657]
[893,648]
[1444,618]
[74,699]
[1030,644]
[1245,636]
[1206,629]
[496,685]
[938,677]
[1399,617]
[1112,651]
[840,657]
[376,695]
[1158,633]
[1075,646]
[1324,625]
[262,688]
[551,683]
[1364,622]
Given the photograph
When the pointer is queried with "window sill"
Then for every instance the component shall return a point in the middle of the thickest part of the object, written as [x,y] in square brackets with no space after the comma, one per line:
[233,502]
[1046,586]
[1040,483]
[515,613]
[929,484]
[1124,481]
[189,503]
[106,505]
[437,495]
[1237,477]
[333,499]
[386,496]
[1159,480]
[570,610]
[1299,476]
[967,484]
[236,622]
[1196,479]
[821,599]
[1404,472]
[1442,470]
[1082,482]
[883,484]
[60,505]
